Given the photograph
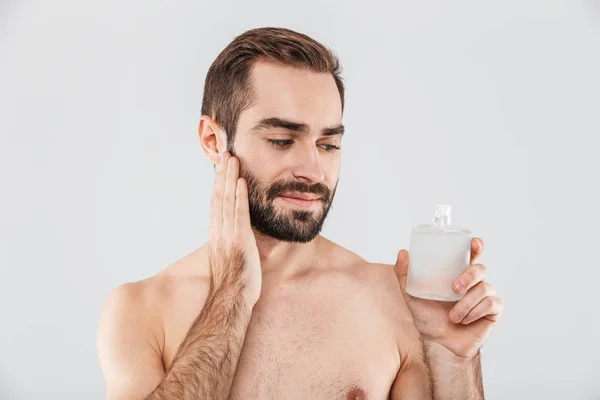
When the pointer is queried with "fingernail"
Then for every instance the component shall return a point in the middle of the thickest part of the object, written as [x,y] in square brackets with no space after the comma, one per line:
[459,285]
[454,317]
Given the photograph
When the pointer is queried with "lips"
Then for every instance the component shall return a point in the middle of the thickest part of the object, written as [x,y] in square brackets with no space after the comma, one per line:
[300,196]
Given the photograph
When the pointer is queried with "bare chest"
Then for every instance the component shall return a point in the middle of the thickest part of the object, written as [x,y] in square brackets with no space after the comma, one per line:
[329,341]
[318,347]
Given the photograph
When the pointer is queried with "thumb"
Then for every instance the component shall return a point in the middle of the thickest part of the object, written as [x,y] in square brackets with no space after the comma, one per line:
[401,268]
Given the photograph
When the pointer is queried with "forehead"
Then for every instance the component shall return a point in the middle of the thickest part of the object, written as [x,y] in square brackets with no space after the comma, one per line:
[293,94]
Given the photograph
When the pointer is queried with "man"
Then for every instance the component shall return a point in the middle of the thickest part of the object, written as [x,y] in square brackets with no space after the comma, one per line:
[268,308]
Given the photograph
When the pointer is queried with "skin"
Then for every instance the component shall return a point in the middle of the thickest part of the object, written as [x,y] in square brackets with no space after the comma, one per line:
[317,321]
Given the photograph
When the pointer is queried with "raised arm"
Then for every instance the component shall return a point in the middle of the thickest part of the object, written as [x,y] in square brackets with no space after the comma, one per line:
[205,363]
[206,360]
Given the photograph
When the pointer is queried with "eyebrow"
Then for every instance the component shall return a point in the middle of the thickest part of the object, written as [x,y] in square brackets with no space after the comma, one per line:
[269,123]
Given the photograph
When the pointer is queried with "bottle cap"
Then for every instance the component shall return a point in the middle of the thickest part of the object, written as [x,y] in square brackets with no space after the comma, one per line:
[441,214]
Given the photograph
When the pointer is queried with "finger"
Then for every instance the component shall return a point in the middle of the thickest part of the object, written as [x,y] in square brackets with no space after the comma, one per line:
[470,277]
[401,267]
[476,249]
[229,194]
[490,308]
[216,215]
[242,209]
[473,297]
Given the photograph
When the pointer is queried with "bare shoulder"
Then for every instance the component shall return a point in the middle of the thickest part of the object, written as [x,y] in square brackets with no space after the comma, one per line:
[380,290]
[133,329]
[131,311]
[378,274]
[374,281]
[147,303]
[135,301]
[129,340]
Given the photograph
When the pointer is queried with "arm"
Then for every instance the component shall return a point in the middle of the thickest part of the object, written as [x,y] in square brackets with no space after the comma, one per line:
[413,380]
[454,377]
[128,350]
[131,359]
[206,360]
[454,332]
[205,363]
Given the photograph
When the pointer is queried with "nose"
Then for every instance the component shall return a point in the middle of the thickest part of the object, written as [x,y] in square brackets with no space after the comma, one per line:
[308,167]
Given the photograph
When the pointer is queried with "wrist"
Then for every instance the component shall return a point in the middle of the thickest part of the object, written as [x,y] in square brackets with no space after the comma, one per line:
[235,289]
[453,376]
[440,354]
[232,296]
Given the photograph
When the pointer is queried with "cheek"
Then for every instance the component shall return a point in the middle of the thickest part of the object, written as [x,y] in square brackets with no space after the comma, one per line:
[332,169]
[261,168]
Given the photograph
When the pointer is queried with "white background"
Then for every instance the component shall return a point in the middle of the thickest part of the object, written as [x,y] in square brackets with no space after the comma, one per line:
[492,107]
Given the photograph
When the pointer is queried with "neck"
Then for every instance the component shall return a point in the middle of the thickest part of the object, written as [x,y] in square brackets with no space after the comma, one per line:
[280,259]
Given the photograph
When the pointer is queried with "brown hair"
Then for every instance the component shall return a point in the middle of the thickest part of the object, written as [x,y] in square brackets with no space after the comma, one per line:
[227,88]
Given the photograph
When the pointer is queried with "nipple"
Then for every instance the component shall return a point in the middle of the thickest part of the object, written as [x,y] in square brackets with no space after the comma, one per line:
[356,394]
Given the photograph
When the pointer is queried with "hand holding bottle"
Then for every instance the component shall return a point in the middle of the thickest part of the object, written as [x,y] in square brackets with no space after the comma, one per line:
[459,327]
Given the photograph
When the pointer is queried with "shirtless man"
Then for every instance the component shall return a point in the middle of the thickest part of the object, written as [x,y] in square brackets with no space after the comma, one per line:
[268,308]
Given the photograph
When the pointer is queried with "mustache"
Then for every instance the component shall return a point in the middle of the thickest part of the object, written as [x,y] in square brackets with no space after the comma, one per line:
[282,186]
[294,186]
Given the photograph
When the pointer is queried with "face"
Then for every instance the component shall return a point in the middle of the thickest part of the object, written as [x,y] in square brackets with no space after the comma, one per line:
[288,146]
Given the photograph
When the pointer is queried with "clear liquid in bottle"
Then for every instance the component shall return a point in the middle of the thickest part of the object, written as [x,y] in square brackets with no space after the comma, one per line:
[439,253]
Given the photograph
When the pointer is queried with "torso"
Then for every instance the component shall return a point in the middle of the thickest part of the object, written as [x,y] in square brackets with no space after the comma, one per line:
[332,333]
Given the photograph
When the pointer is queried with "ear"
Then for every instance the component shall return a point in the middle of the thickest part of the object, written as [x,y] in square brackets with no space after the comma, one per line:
[212,139]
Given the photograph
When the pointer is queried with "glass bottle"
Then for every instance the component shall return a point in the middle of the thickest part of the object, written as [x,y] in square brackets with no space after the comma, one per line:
[439,253]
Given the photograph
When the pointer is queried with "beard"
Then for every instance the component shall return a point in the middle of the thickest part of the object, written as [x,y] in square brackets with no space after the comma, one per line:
[299,226]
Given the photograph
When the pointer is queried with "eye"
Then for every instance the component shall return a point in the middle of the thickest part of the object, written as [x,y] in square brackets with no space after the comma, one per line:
[329,147]
[281,143]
